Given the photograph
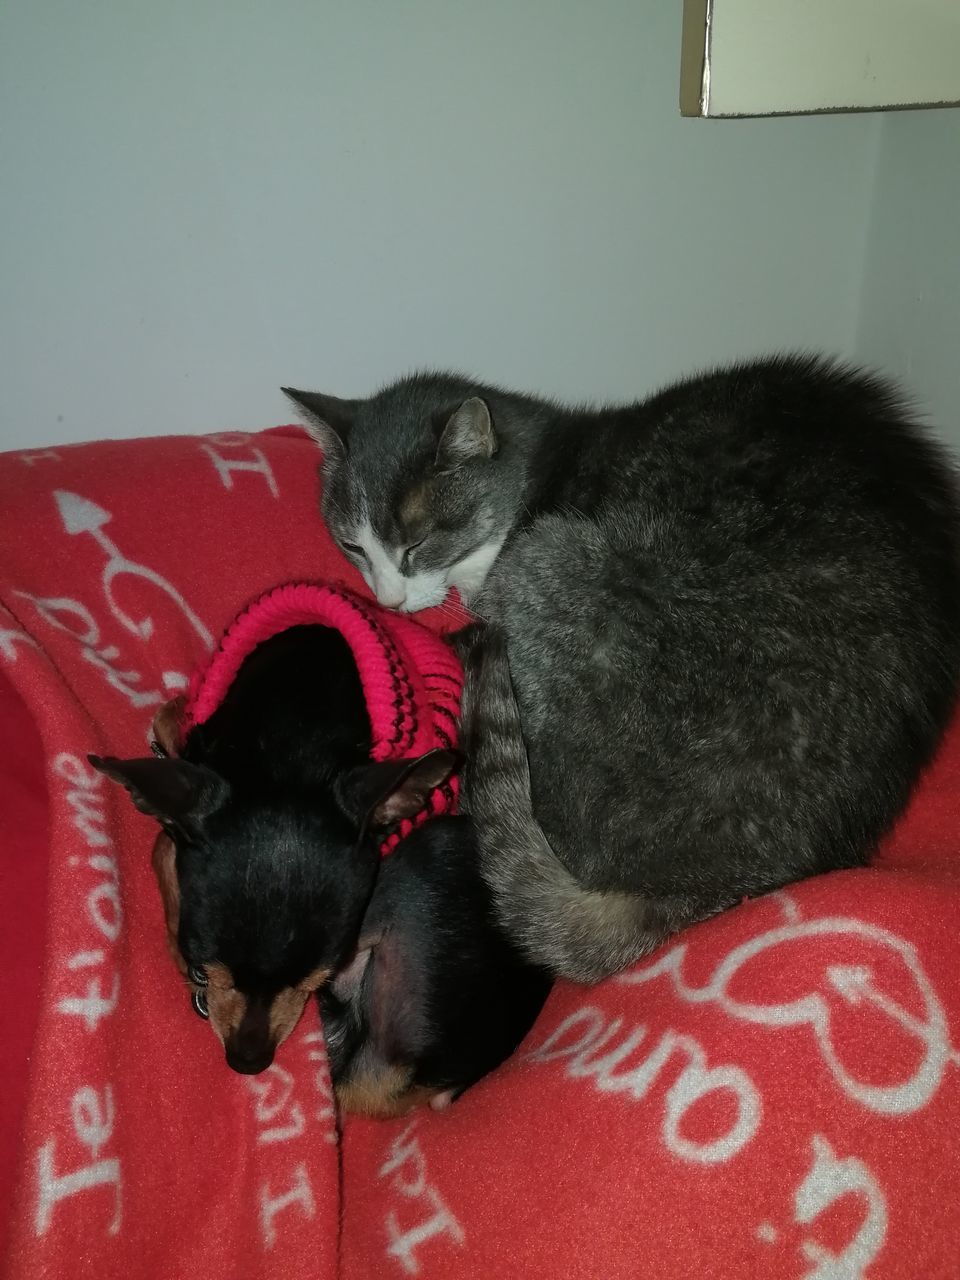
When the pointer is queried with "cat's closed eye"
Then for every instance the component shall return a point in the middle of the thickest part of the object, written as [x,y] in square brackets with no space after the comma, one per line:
[405,562]
[352,549]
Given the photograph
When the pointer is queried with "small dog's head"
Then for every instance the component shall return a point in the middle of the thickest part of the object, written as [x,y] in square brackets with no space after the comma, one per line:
[264,893]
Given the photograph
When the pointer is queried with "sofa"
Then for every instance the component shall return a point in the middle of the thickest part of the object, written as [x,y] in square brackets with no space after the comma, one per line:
[775,1092]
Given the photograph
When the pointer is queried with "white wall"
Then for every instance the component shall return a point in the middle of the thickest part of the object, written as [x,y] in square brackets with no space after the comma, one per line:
[202,201]
[910,314]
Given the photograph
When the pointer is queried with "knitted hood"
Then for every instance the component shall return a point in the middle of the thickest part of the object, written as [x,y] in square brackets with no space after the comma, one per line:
[411,679]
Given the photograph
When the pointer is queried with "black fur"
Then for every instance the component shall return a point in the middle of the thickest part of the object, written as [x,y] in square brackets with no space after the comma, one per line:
[273,885]
[273,807]
[439,996]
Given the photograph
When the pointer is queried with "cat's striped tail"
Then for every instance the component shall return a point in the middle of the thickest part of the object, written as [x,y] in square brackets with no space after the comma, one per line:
[576,933]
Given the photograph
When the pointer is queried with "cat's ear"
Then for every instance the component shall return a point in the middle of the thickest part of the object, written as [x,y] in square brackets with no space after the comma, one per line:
[377,795]
[328,420]
[170,790]
[468,436]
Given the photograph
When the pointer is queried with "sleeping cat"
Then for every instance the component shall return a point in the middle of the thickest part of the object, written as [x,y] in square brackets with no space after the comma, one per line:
[731,614]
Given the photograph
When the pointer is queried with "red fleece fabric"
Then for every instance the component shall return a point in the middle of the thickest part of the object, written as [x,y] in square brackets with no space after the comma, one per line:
[775,1093]
[23,893]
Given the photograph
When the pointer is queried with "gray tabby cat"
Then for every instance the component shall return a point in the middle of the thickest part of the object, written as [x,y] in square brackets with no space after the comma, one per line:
[731,614]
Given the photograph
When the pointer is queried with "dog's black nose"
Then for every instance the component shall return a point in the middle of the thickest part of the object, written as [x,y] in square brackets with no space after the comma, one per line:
[250,1047]
[250,1064]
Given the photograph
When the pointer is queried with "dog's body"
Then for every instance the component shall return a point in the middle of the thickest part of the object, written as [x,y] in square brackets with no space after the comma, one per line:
[269,853]
[437,995]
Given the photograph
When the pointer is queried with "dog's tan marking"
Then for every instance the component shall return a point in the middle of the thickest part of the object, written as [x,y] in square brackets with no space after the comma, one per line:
[165,869]
[289,1003]
[227,1006]
[166,725]
[383,1094]
[315,980]
[285,1012]
[225,1003]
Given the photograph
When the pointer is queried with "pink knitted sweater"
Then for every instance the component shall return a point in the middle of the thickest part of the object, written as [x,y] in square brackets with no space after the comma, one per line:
[411,679]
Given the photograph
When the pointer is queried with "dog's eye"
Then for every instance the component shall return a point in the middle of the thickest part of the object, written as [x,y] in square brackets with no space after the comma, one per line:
[199,1002]
[197,976]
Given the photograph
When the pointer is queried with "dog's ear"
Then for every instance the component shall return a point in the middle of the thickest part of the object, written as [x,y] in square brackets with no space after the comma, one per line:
[170,790]
[389,982]
[345,985]
[380,794]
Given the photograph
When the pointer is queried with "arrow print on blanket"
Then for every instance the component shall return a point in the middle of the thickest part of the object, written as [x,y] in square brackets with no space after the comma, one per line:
[79,515]
[854,984]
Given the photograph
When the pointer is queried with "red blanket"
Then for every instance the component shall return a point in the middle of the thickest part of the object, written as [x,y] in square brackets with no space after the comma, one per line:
[777,1093]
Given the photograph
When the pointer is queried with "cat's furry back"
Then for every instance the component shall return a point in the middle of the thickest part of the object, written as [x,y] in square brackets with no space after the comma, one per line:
[732,615]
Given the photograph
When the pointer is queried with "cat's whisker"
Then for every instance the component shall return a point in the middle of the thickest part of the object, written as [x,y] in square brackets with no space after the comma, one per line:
[449,609]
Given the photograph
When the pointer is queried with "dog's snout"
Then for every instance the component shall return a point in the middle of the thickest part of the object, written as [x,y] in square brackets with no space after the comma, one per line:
[249,1061]
[250,1048]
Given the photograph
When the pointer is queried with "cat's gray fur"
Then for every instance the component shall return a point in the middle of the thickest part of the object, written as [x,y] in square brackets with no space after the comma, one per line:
[732,617]
[573,930]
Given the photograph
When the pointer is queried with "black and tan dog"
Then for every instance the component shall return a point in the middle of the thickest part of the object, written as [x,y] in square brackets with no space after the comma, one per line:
[270,811]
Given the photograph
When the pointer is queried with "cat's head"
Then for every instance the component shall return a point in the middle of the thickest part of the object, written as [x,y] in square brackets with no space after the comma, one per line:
[419,491]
